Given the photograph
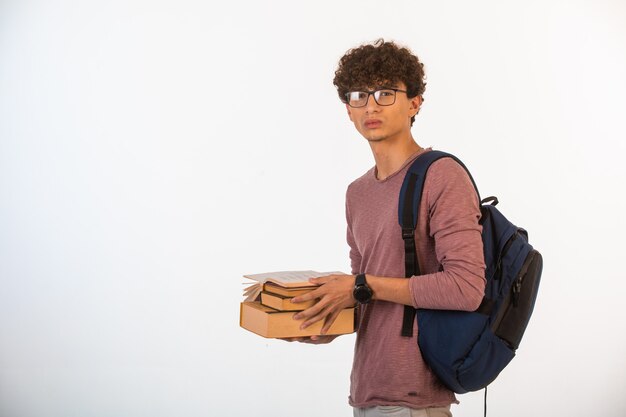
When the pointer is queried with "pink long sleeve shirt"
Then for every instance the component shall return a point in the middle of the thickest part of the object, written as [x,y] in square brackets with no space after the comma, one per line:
[388,369]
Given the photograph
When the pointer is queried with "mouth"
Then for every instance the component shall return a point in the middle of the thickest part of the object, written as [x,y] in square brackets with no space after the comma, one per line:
[373,123]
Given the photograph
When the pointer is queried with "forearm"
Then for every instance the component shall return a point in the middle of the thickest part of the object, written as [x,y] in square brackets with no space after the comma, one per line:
[439,291]
[452,289]
[395,290]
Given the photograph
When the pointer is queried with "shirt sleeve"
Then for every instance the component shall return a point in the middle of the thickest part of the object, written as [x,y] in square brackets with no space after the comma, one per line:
[450,203]
[355,255]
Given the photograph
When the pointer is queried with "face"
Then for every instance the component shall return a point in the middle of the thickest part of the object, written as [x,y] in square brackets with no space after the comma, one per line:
[379,123]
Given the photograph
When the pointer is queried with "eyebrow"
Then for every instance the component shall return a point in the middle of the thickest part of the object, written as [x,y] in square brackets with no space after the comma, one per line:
[378,87]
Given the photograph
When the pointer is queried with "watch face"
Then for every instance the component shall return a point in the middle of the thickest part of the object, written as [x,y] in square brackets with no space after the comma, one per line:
[362,294]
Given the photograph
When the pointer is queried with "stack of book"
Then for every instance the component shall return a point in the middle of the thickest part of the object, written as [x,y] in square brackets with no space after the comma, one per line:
[268,309]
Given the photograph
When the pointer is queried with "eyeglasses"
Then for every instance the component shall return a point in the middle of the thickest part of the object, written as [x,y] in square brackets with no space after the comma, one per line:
[383,97]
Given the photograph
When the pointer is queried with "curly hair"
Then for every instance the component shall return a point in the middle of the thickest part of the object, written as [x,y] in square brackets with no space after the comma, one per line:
[380,63]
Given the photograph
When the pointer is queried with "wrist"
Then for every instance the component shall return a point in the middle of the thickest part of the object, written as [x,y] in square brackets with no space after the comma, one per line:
[362,293]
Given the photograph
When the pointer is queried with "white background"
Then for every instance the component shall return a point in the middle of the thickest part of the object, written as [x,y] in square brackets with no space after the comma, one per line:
[152,152]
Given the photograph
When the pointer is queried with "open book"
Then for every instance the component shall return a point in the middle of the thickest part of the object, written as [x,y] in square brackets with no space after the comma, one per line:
[286,279]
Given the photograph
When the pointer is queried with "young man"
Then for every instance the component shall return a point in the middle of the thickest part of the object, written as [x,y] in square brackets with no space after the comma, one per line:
[382,86]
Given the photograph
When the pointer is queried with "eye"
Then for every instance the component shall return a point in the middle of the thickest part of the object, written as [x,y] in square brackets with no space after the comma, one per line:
[357,95]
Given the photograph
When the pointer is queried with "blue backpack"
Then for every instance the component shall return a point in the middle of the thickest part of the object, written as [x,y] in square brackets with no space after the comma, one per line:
[467,350]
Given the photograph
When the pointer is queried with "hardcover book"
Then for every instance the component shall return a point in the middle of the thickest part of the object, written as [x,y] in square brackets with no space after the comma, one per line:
[293,280]
[283,303]
[270,323]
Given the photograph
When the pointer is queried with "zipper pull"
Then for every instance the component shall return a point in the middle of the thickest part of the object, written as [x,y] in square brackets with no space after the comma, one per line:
[517,289]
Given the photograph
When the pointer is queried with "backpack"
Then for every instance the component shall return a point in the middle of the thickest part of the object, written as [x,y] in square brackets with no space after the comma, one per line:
[467,350]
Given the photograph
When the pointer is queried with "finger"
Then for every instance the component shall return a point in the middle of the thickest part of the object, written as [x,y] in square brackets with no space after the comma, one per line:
[290,339]
[317,339]
[319,316]
[311,311]
[314,340]
[311,295]
[330,319]
[321,280]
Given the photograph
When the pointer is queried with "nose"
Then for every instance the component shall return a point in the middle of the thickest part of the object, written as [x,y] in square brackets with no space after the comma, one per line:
[371,103]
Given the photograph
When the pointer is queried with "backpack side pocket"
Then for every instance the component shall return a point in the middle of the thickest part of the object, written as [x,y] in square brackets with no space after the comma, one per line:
[518,306]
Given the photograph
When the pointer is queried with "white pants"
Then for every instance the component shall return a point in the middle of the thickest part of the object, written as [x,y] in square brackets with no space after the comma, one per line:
[398,411]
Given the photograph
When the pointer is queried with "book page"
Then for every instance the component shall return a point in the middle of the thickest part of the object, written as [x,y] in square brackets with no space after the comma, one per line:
[285,276]
[253,291]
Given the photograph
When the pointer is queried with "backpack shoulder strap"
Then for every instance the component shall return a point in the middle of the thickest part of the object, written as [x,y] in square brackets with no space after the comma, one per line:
[412,187]
[408,208]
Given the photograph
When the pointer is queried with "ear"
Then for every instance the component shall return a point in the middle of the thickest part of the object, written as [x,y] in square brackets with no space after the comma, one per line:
[349,113]
[414,105]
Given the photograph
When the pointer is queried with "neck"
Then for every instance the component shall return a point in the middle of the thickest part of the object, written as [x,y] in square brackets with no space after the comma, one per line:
[391,155]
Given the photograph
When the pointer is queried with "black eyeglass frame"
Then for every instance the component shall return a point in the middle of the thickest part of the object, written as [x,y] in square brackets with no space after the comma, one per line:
[371,93]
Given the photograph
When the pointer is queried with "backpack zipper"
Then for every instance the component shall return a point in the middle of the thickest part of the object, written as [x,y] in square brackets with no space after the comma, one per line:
[517,284]
[507,245]
[516,289]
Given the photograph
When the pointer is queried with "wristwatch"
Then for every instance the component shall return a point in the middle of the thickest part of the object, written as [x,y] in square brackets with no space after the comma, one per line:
[362,292]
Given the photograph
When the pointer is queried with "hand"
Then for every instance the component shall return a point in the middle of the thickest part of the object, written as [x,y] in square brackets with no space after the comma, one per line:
[334,294]
[315,340]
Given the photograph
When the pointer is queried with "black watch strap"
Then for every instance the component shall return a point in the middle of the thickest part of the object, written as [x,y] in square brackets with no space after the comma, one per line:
[360,280]
[362,293]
